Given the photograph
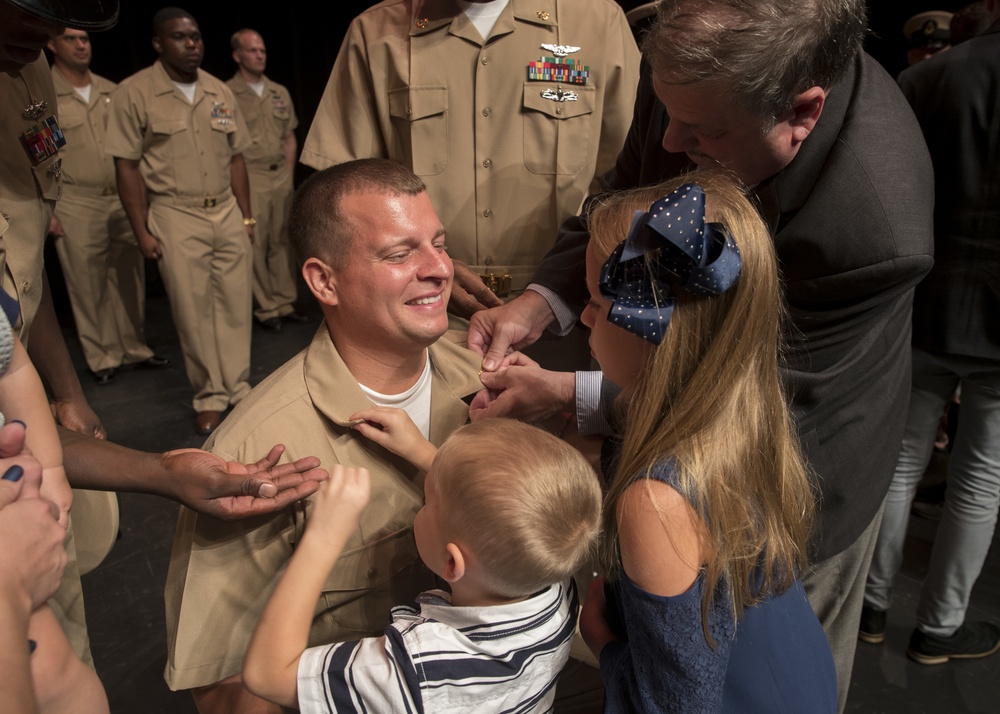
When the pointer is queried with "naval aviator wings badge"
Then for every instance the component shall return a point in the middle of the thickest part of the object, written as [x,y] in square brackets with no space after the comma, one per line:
[560,50]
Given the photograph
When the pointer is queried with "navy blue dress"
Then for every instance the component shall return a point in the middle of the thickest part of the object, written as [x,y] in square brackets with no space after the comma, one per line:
[774,660]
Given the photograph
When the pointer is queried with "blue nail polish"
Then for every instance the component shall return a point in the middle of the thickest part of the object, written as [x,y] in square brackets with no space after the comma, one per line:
[31,646]
[14,473]
[18,421]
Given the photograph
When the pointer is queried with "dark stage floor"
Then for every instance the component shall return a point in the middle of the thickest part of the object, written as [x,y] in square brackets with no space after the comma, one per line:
[151,410]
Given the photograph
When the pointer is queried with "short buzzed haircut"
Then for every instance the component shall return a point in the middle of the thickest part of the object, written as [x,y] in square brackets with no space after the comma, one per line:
[318,228]
[234,41]
[167,14]
[525,503]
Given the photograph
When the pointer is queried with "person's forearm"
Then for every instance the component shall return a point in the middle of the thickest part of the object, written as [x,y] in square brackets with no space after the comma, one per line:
[22,397]
[290,146]
[132,192]
[16,690]
[270,668]
[48,352]
[104,466]
[240,182]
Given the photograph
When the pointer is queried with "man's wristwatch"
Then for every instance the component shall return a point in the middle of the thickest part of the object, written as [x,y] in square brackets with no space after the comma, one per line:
[249,221]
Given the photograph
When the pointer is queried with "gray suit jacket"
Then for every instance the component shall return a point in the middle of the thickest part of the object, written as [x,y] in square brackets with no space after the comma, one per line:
[852,224]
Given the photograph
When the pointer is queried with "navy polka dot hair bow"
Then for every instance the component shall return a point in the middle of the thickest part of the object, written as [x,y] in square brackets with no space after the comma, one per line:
[669,244]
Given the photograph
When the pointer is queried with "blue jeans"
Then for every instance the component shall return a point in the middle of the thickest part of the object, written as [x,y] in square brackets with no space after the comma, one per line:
[970,511]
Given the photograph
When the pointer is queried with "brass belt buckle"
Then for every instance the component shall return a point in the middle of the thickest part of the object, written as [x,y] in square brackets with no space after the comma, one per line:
[209,202]
[499,284]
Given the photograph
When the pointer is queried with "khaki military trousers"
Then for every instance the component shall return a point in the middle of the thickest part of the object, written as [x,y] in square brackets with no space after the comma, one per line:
[273,277]
[206,267]
[104,275]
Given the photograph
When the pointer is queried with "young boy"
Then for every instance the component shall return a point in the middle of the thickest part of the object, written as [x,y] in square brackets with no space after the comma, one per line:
[510,513]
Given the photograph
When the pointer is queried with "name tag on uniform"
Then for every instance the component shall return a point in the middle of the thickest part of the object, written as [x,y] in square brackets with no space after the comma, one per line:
[43,140]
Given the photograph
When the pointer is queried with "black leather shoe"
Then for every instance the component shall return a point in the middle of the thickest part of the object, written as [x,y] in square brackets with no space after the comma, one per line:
[970,641]
[105,376]
[296,317]
[271,324]
[154,362]
[872,627]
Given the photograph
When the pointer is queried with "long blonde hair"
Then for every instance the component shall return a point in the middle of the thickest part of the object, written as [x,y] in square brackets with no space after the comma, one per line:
[710,399]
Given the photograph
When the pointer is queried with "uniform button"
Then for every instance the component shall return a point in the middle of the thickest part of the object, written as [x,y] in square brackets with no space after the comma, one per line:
[487,111]
[559,110]
[24,286]
[487,213]
[489,260]
[485,60]
[487,163]
[372,572]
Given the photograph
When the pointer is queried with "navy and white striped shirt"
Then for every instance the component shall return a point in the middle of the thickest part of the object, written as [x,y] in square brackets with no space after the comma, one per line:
[441,658]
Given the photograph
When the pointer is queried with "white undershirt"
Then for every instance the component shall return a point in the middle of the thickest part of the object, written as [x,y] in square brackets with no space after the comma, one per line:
[187,89]
[483,14]
[257,87]
[84,93]
[415,401]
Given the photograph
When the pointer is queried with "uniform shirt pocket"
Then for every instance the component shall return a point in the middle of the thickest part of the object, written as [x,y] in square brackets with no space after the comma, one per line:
[420,118]
[556,133]
[47,176]
[359,592]
[172,135]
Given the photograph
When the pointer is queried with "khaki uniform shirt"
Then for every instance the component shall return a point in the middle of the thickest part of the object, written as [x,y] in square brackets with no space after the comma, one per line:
[504,165]
[85,124]
[185,148]
[28,192]
[222,573]
[268,118]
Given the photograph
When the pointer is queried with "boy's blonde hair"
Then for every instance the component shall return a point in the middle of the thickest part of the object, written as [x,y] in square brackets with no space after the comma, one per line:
[710,398]
[526,504]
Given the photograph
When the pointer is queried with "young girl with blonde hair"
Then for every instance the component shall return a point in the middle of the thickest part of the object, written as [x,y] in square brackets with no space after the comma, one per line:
[708,506]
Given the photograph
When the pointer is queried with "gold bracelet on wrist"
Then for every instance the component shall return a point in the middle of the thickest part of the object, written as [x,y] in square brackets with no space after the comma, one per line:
[249,221]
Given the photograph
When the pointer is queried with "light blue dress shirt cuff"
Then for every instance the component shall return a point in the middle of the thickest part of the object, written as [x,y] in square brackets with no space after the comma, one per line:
[591,417]
[565,318]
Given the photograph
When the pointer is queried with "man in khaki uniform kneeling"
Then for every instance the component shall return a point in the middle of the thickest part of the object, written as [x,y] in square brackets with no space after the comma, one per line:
[373,255]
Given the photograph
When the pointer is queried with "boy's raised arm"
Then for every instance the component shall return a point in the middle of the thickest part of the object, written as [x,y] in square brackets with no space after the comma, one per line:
[270,669]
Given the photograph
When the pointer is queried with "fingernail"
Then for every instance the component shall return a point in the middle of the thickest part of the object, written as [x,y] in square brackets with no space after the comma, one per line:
[18,421]
[489,365]
[14,473]
[31,646]
[267,490]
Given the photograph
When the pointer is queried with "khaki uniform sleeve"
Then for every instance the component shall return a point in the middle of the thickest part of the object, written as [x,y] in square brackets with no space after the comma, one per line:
[126,123]
[240,140]
[619,96]
[346,124]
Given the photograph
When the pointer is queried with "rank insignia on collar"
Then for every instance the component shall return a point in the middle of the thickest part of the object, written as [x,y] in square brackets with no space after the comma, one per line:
[558,69]
[558,95]
[561,50]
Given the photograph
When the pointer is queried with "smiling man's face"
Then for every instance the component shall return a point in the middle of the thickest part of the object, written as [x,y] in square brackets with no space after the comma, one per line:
[392,286]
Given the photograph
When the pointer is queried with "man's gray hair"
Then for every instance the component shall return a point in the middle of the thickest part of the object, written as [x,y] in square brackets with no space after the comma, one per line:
[763,52]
